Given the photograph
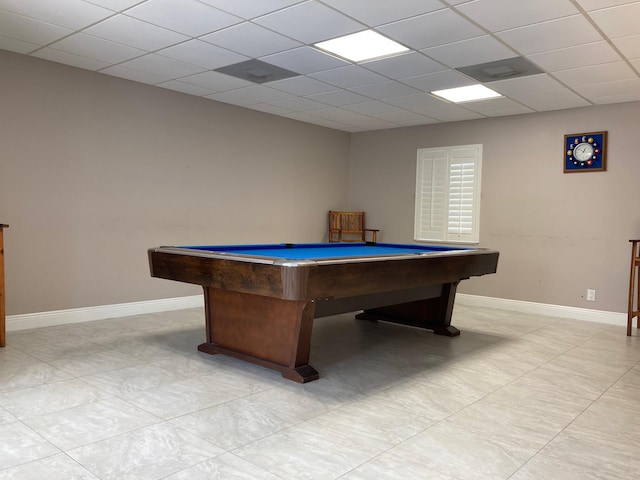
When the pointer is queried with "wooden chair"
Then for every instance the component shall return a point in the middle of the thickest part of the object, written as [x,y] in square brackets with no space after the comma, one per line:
[349,227]
[634,287]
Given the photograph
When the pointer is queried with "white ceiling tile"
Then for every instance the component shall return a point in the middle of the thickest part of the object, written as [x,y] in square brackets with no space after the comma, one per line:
[432,107]
[246,9]
[383,11]
[251,40]
[310,22]
[351,118]
[304,60]
[411,102]
[599,4]
[629,46]
[349,76]
[405,65]
[202,54]
[470,52]
[405,118]
[179,86]
[439,81]
[70,59]
[218,82]
[573,57]
[191,18]
[65,13]
[372,107]
[162,66]
[135,33]
[567,100]
[305,117]
[302,86]
[262,93]
[620,21]
[385,90]
[551,35]
[608,72]
[29,30]
[269,108]
[338,98]
[612,92]
[98,48]
[437,28]
[135,75]
[233,97]
[540,92]
[373,123]
[299,104]
[497,15]
[534,83]
[18,46]
[115,5]
[497,107]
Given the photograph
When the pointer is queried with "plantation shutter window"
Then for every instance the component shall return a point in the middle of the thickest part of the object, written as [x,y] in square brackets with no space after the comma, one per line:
[448,194]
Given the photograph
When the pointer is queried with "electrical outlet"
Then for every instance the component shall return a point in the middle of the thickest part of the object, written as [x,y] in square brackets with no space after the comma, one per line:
[591,295]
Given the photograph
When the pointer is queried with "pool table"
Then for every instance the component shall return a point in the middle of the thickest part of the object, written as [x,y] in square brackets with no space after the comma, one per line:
[260,300]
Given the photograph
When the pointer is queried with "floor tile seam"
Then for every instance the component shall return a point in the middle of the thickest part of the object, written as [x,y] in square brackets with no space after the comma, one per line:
[35,432]
[444,419]
[88,468]
[36,347]
[540,453]
[159,420]
[621,435]
[84,377]
[60,452]
[129,432]
[248,460]
[108,397]
[568,425]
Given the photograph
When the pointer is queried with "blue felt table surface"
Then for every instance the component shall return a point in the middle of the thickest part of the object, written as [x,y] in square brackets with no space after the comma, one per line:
[312,251]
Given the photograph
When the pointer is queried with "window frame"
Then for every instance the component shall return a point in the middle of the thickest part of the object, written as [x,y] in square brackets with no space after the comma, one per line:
[439,191]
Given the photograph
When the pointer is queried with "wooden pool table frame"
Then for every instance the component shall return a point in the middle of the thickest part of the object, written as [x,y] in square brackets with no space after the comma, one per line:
[262,311]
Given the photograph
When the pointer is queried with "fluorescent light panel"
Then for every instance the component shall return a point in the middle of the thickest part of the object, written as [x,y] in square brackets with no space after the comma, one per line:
[467,94]
[362,46]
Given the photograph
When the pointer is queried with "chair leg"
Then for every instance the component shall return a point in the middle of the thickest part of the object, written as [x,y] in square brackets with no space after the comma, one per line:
[634,289]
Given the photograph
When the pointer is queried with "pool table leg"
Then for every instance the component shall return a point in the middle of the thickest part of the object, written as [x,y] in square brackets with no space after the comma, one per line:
[431,313]
[270,332]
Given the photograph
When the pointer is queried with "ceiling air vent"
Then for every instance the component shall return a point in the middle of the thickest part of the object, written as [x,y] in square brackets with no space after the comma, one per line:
[501,70]
[256,71]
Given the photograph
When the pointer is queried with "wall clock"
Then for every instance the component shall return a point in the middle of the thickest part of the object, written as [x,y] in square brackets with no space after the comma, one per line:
[585,152]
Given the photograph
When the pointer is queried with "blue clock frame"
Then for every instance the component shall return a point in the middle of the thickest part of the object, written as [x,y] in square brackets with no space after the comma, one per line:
[585,152]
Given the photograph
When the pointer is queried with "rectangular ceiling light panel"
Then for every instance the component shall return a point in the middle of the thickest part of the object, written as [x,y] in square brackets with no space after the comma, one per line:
[470,93]
[362,46]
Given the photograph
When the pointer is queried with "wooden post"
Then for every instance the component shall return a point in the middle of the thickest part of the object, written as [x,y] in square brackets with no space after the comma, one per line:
[3,332]
[634,287]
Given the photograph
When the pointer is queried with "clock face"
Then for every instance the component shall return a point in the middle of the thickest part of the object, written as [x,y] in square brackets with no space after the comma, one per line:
[583,152]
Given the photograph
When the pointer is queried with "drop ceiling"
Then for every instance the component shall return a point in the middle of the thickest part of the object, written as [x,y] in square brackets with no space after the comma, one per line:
[587,52]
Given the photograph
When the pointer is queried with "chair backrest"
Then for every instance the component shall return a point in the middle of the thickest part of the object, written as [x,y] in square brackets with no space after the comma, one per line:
[346,226]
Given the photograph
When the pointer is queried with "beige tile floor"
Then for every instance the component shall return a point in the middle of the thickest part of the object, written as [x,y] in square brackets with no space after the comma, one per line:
[516,396]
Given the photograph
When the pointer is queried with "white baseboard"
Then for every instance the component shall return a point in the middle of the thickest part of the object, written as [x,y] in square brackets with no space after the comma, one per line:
[76,315]
[575,313]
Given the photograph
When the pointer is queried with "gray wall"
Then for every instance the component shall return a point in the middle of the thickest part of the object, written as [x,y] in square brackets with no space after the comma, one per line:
[95,170]
[558,234]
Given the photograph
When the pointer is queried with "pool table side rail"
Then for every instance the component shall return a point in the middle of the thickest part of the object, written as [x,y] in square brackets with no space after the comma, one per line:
[319,280]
